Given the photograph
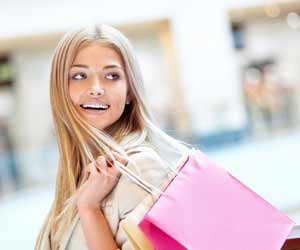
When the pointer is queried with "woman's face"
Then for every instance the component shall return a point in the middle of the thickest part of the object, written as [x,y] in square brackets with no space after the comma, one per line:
[98,85]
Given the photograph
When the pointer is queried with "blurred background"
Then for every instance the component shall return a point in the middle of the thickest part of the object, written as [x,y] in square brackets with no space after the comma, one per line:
[223,75]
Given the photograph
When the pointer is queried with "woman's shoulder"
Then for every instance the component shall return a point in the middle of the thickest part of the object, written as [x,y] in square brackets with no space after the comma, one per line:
[145,160]
[141,153]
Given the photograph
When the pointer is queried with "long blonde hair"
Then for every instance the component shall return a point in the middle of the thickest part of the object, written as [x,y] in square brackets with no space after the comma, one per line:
[76,137]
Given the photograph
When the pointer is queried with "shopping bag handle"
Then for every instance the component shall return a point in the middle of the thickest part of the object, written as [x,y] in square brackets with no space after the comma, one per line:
[151,189]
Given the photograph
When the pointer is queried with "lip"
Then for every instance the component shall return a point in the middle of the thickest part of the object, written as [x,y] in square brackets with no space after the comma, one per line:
[94,102]
[93,112]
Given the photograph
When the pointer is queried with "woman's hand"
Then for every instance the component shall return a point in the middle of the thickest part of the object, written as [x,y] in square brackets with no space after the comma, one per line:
[100,177]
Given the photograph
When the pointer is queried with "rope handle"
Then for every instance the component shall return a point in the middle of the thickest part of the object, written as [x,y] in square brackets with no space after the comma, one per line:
[151,189]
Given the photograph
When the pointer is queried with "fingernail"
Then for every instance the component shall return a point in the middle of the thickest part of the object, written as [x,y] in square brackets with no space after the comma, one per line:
[100,158]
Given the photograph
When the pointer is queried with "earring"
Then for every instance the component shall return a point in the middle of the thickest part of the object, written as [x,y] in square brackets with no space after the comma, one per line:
[127,102]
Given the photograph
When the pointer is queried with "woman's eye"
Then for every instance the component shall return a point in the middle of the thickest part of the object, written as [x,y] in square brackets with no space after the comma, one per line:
[79,76]
[112,76]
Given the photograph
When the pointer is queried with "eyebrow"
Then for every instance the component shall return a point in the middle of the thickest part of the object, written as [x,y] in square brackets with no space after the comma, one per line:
[106,67]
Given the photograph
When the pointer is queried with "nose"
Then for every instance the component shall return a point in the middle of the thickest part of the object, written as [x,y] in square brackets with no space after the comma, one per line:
[96,88]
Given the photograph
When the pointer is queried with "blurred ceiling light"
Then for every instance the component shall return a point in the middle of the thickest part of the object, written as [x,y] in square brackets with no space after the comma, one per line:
[293,20]
[272,10]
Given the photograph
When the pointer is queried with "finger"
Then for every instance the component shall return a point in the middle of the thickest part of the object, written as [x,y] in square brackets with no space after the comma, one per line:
[92,169]
[120,158]
[110,160]
[116,172]
[101,161]
[101,164]
[118,165]
[85,175]
[87,172]
[112,171]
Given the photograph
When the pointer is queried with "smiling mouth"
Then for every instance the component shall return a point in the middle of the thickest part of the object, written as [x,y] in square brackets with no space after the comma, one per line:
[94,106]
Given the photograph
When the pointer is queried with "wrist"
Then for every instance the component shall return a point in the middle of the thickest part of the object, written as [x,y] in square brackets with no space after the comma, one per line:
[88,207]
[89,213]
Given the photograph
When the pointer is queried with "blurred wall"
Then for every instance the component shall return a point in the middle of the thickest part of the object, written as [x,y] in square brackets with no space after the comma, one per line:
[201,35]
[207,64]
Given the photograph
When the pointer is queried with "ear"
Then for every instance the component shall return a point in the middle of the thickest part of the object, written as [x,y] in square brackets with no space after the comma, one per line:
[128,100]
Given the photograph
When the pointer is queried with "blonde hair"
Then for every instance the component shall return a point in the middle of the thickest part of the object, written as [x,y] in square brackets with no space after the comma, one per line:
[76,137]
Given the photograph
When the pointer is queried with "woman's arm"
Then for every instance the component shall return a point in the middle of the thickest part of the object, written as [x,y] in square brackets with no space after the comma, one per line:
[96,229]
[100,179]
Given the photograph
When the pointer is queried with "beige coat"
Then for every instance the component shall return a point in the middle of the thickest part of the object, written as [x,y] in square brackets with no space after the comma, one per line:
[121,201]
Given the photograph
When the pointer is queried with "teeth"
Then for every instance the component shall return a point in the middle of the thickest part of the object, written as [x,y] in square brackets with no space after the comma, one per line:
[94,105]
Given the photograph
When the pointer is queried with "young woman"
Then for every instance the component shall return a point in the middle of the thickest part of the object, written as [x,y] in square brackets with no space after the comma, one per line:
[108,142]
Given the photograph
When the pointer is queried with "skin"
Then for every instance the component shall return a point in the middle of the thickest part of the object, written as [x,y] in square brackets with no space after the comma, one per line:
[98,75]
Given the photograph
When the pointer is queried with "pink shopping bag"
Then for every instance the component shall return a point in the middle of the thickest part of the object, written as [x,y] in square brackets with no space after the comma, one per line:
[206,208]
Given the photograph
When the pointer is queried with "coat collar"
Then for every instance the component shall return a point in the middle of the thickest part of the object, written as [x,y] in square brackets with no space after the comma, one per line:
[129,139]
